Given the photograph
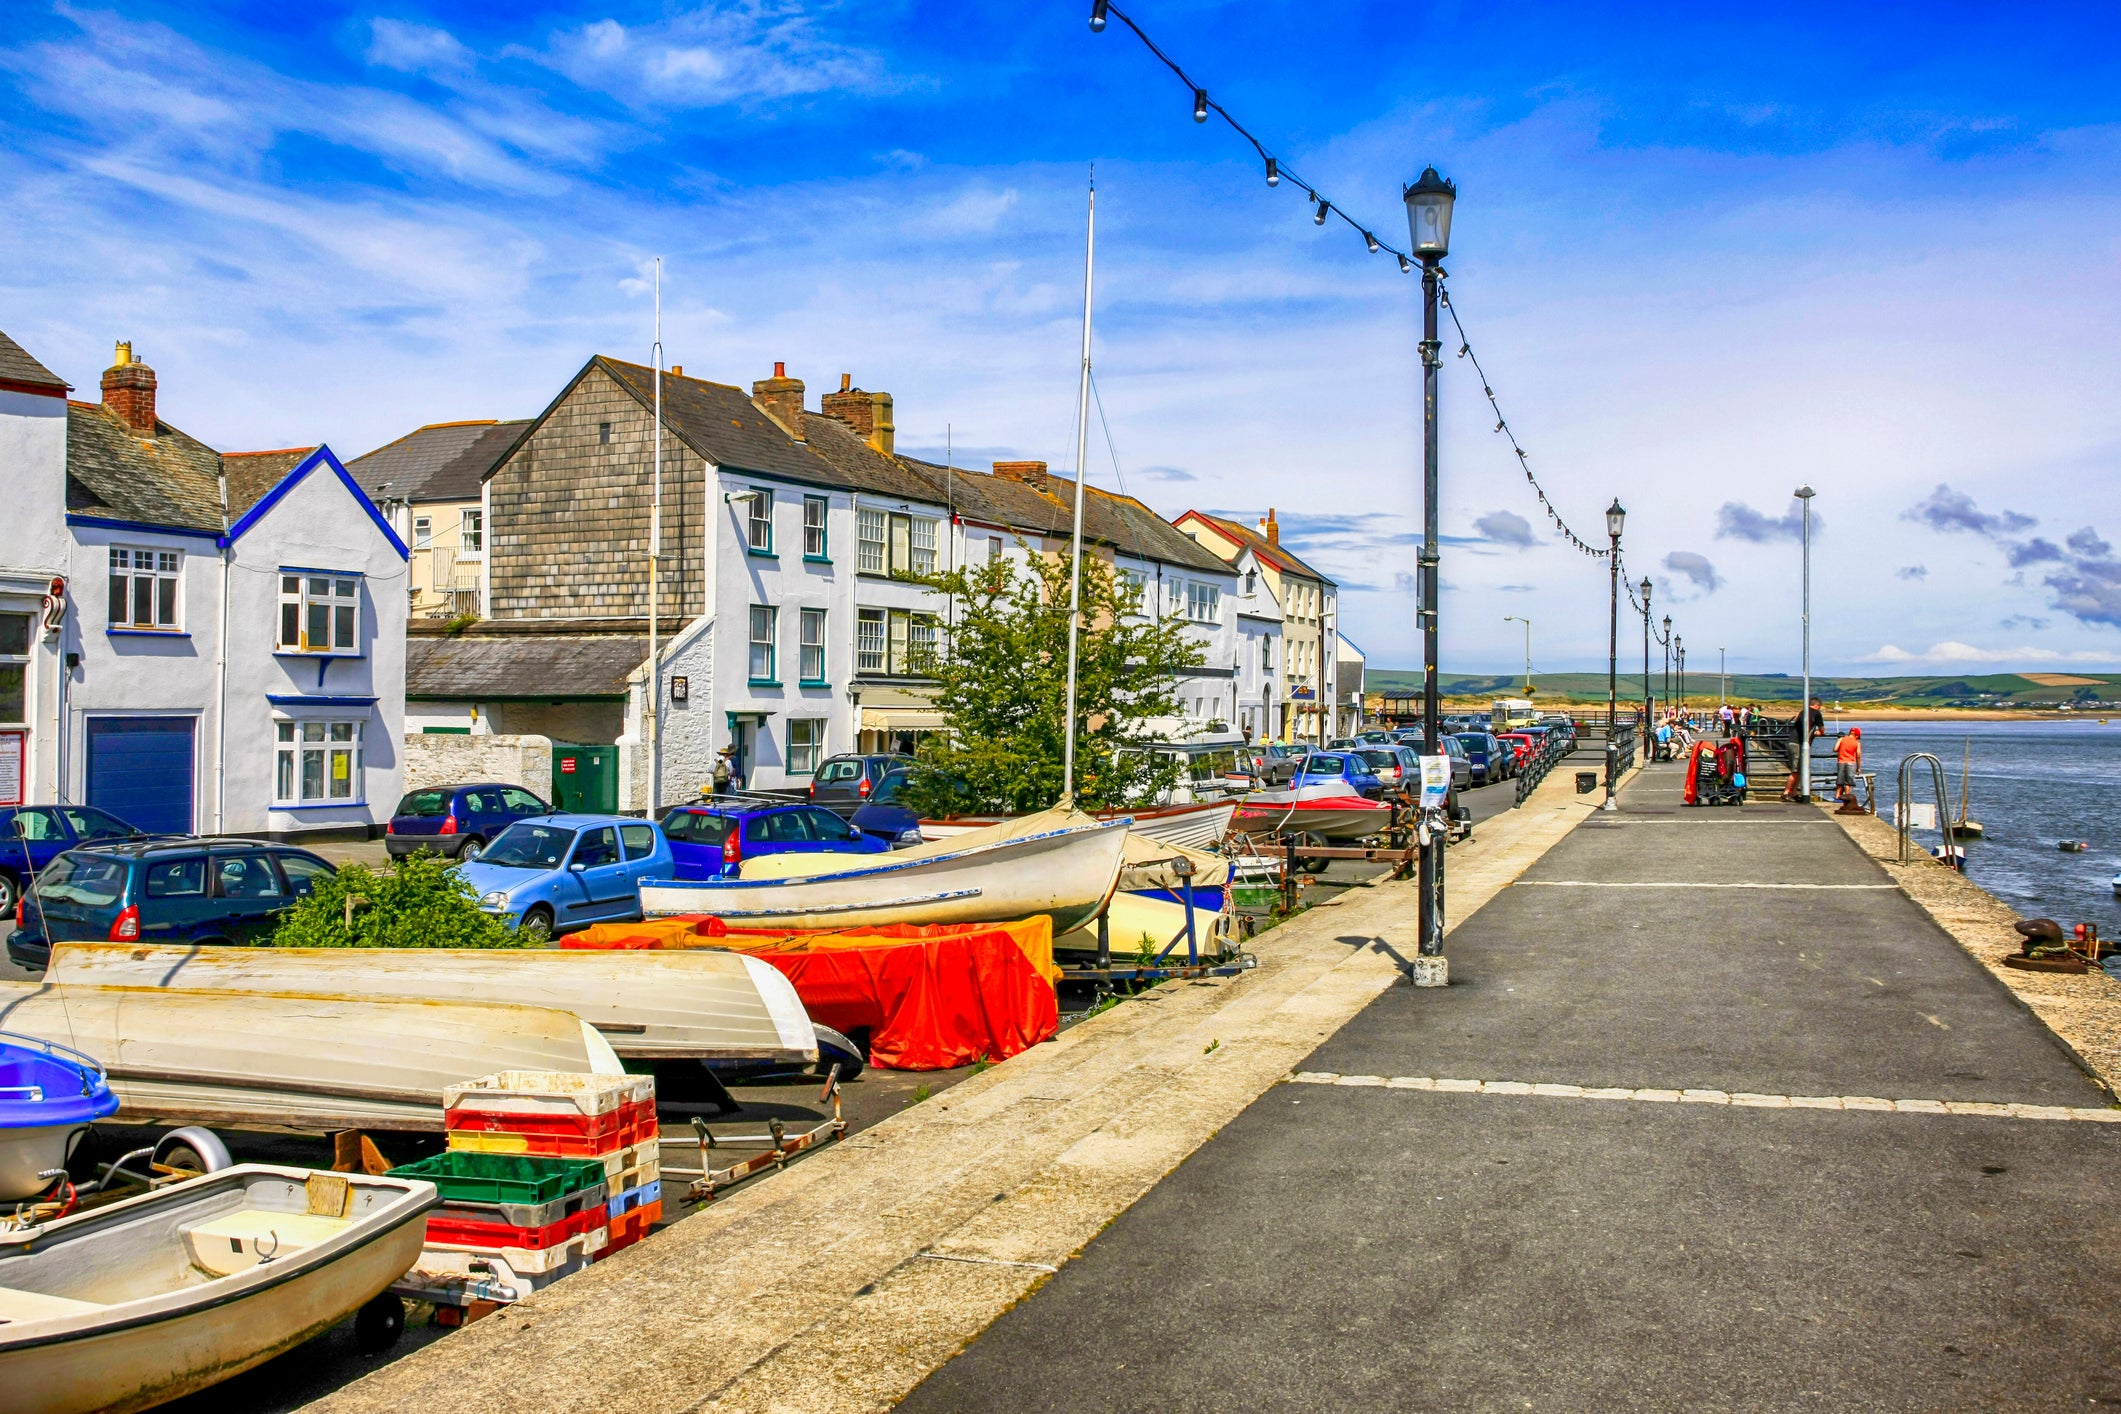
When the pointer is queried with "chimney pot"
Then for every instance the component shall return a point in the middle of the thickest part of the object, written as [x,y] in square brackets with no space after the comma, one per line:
[867,413]
[782,398]
[846,381]
[677,370]
[129,391]
[1273,527]
[1032,474]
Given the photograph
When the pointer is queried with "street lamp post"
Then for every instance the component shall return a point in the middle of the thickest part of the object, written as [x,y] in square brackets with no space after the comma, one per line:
[1615,518]
[1649,705]
[1723,679]
[1514,619]
[1804,704]
[1429,203]
[1667,640]
[1679,654]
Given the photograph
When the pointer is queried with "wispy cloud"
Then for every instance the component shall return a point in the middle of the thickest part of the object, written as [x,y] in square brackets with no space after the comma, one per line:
[711,56]
[1912,572]
[1506,528]
[1952,653]
[1949,510]
[1737,521]
[1695,569]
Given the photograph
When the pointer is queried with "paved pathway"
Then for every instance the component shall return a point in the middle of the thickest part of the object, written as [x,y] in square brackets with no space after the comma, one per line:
[1732,1136]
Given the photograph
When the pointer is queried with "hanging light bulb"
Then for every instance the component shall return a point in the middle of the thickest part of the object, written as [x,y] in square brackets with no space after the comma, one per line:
[1370,241]
[1097,16]
[1200,105]
[1323,207]
[1406,266]
[1273,173]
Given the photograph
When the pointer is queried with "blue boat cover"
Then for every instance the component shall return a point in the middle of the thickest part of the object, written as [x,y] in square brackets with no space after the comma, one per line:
[39,1088]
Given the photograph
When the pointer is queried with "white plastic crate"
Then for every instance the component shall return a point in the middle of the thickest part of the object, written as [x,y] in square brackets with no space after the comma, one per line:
[550,1092]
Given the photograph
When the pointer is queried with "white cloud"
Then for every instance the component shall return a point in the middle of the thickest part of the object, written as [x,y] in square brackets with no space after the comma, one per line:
[416,49]
[1952,653]
[713,55]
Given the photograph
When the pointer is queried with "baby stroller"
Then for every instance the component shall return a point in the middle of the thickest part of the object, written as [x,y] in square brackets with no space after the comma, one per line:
[1716,775]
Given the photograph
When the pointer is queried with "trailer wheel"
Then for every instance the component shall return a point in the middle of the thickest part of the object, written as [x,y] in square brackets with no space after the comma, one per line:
[192,1150]
[379,1324]
[1314,866]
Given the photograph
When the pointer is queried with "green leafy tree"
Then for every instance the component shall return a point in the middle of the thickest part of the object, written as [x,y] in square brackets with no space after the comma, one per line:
[422,903]
[1002,676]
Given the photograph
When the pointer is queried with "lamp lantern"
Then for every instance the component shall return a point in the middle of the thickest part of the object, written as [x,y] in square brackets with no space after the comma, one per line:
[1429,214]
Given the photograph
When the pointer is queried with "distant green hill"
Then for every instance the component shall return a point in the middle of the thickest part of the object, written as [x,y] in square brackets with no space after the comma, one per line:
[1984,690]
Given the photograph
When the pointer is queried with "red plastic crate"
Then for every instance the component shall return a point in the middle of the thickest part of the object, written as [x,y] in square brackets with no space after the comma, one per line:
[456,1230]
[604,1129]
[601,1142]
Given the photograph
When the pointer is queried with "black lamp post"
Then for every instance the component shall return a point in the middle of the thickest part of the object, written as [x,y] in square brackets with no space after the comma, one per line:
[1649,707]
[1667,641]
[1679,652]
[1429,203]
[1615,518]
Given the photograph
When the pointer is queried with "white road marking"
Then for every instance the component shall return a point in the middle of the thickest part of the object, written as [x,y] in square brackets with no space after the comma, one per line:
[1677,884]
[1739,1099]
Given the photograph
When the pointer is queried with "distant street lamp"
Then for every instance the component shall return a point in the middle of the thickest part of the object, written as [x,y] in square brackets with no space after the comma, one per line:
[1649,707]
[1514,619]
[1667,662]
[1429,202]
[1723,679]
[1804,704]
[1679,652]
[1615,518]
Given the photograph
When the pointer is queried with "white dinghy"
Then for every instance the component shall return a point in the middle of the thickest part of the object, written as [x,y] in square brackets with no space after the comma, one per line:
[132,1305]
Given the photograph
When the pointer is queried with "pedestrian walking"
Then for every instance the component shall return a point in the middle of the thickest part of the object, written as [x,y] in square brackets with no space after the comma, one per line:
[1848,765]
[722,773]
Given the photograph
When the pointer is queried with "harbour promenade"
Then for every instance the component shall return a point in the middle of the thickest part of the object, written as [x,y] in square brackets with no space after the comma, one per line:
[1712,1116]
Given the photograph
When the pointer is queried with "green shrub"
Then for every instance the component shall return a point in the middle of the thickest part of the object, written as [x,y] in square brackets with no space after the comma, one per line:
[422,903]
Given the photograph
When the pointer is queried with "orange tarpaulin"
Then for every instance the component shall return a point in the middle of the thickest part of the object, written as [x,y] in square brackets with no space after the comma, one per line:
[930,997]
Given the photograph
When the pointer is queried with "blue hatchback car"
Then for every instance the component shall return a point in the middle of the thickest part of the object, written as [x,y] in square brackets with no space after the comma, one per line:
[556,873]
[884,817]
[32,836]
[1338,768]
[457,821]
[712,838]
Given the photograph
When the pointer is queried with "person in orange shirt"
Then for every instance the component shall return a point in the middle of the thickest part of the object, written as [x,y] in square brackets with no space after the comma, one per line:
[1848,762]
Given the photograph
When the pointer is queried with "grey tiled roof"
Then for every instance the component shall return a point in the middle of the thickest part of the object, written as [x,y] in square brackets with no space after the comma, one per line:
[252,474]
[546,665]
[443,461]
[723,425]
[168,479]
[16,366]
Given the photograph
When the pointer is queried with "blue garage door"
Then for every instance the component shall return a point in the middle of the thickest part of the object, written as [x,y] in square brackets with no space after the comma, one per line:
[140,770]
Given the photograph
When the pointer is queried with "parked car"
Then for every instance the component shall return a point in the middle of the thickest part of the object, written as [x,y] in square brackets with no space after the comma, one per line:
[882,817]
[161,889]
[1525,744]
[1461,764]
[713,837]
[457,821]
[32,836]
[1338,768]
[553,873]
[1386,763]
[842,783]
[1490,759]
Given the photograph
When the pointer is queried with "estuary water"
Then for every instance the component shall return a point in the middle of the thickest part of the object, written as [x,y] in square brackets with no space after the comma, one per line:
[2035,784]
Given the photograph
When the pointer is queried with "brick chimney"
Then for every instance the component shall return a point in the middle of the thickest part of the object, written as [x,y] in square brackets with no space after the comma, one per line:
[867,413]
[782,398]
[1032,474]
[1271,528]
[129,391]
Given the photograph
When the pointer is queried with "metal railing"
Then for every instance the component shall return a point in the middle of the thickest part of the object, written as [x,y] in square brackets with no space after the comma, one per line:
[1904,806]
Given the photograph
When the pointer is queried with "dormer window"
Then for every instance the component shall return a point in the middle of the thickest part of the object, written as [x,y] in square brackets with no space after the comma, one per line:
[143,588]
[320,613]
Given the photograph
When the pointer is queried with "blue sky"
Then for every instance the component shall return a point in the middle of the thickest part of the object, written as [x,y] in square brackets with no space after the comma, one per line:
[1704,257]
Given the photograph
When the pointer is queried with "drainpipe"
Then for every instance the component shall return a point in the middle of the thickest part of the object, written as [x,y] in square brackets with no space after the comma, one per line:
[854,617]
[221,673]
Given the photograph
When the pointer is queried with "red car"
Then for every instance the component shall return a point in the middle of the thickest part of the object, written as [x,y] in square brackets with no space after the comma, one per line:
[1523,743]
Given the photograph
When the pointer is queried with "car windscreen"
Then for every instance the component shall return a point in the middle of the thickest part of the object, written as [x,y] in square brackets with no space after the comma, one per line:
[524,845]
[425,803]
[84,879]
[888,791]
[697,827]
[1325,766]
[1379,757]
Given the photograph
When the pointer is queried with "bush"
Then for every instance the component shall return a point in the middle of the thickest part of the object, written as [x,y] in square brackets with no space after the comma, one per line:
[420,904]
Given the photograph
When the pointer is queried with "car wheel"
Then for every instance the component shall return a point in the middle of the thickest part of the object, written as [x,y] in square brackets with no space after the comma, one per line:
[9,894]
[471,849]
[537,925]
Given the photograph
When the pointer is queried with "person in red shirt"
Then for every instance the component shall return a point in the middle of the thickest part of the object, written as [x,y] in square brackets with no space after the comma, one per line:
[1848,763]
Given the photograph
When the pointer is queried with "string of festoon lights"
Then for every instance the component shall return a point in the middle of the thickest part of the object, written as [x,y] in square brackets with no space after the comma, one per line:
[1323,207]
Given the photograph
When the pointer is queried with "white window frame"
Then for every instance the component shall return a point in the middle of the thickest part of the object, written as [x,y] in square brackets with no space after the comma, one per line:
[804,755]
[871,553]
[921,545]
[160,573]
[423,532]
[331,746]
[810,644]
[471,531]
[306,592]
[765,630]
[1203,602]
[18,717]
[758,521]
[816,544]
[871,641]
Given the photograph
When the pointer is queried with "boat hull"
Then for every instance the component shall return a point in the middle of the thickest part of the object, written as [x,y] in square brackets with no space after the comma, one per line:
[131,1355]
[1333,818]
[1196,826]
[26,1153]
[1066,874]
[648,1006]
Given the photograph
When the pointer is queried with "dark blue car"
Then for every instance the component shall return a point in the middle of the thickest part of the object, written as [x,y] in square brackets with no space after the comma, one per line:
[32,836]
[712,839]
[162,889]
[883,817]
[1491,760]
[457,821]
[1339,768]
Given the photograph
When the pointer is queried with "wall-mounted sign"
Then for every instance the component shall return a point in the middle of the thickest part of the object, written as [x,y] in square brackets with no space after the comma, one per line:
[10,768]
[566,765]
[1435,781]
[680,689]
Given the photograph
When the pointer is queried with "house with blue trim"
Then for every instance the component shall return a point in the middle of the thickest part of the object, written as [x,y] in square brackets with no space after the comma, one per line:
[196,641]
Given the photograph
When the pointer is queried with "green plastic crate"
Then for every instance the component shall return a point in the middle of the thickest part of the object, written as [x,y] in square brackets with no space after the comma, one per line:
[503,1178]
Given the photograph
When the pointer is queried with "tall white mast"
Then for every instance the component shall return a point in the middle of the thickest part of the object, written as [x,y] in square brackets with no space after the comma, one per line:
[1075,548]
[655,559]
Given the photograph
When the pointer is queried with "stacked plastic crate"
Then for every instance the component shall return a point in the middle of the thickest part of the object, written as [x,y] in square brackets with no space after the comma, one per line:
[554,1115]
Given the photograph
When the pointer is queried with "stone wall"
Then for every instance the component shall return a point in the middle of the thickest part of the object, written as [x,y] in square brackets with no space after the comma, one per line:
[691,735]
[437,760]
[568,533]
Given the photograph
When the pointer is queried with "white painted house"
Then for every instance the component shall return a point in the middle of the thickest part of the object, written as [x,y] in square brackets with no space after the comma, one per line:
[226,650]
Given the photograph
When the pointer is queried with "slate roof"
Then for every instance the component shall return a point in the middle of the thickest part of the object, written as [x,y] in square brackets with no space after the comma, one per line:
[722,424]
[552,666]
[443,461]
[16,366]
[252,474]
[169,479]
[1278,554]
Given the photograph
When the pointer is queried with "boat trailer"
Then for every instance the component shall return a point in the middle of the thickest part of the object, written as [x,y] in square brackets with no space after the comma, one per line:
[779,1147]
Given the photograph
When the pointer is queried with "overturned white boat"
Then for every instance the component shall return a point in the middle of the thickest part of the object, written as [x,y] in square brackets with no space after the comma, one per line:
[132,1305]
[295,1061]
[1060,864]
[1195,826]
[693,1005]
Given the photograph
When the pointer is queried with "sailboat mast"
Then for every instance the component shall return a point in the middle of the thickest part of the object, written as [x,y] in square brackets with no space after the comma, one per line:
[1075,546]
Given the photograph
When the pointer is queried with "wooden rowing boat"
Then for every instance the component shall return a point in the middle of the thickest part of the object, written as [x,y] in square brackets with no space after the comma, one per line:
[128,1306]
[300,1062]
[1195,826]
[653,1006]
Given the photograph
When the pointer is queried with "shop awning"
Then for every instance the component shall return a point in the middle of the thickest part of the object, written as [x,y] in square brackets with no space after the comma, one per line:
[901,719]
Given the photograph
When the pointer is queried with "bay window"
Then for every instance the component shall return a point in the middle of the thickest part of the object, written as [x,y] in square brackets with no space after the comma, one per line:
[143,588]
[895,641]
[320,613]
[895,544]
[318,763]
